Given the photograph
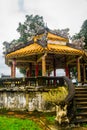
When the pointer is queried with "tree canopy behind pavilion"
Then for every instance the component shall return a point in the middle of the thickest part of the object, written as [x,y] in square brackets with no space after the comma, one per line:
[82,33]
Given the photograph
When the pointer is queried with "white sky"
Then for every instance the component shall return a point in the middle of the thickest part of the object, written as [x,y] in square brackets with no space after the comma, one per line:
[58,14]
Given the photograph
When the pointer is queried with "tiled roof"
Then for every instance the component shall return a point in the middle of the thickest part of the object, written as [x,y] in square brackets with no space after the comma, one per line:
[61,49]
[38,49]
[26,51]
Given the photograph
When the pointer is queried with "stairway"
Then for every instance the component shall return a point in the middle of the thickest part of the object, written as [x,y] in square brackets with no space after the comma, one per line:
[81,104]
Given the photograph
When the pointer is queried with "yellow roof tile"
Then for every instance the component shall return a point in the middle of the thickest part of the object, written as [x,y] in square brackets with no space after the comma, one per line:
[56,37]
[28,50]
[61,49]
[37,49]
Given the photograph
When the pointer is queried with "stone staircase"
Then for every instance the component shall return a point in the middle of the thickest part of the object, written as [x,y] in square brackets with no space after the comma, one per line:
[80,101]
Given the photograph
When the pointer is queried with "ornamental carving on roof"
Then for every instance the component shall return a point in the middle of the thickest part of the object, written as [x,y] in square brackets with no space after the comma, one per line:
[43,40]
[79,43]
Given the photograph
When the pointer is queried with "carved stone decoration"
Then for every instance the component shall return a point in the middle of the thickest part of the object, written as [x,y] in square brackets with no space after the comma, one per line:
[61,114]
[79,43]
[43,40]
[6,47]
[63,32]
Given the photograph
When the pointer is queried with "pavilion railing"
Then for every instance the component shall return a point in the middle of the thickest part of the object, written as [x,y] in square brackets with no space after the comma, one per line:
[32,81]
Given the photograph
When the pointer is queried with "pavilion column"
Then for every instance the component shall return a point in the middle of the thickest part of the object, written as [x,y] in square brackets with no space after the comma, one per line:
[66,67]
[84,73]
[36,70]
[27,72]
[78,70]
[67,70]
[48,72]
[30,69]
[54,67]
[48,75]
[44,65]
[13,68]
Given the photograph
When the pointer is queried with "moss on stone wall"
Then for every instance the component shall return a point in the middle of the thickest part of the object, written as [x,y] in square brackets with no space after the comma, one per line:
[56,95]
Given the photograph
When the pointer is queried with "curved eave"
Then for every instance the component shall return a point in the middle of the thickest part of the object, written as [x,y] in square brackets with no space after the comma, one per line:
[56,37]
[62,49]
[35,48]
[26,51]
[51,36]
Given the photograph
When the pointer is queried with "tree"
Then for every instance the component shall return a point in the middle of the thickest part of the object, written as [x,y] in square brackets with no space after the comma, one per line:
[82,33]
[30,27]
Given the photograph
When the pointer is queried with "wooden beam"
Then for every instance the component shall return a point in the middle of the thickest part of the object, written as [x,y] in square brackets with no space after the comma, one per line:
[70,61]
[24,61]
[40,59]
[44,65]
[78,69]
[14,68]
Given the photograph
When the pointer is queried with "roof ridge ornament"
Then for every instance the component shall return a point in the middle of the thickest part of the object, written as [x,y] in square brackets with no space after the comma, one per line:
[43,39]
[79,43]
[63,32]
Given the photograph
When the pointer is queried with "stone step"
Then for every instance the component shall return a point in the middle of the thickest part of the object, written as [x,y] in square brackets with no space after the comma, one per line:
[80,95]
[81,114]
[81,87]
[81,99]
[82,120]
[82,108]
[78,88]
[83,92]
[82,103]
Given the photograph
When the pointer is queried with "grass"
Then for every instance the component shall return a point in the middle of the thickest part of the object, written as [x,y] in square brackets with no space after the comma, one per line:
[50,119]
[12,123]
[84,125]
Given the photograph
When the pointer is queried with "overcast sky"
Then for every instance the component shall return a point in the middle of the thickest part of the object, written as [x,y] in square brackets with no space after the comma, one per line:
[58,14]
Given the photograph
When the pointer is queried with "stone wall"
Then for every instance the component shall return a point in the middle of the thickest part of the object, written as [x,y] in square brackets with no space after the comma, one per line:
[17,100]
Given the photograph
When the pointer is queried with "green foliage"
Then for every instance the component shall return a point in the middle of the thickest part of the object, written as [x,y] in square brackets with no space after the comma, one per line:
[84,125]
[9,123]
[50,119]
[76,36]
[82,33]
[23,71]
[30,27]
[55,96]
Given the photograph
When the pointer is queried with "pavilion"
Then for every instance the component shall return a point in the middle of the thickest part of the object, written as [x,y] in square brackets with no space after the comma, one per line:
[45,52]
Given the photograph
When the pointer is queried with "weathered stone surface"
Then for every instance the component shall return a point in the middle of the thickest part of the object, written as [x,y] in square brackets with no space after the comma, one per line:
[22,99]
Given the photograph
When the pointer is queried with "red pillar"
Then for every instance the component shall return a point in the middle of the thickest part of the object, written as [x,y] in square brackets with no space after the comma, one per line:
[66,67]
[54,67]
[30,69]
[27,72]
[36,70]
[67,71]
[48,72]
[13,68]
